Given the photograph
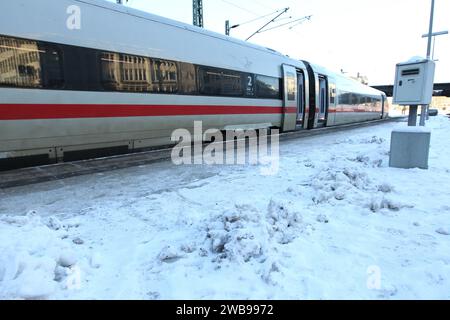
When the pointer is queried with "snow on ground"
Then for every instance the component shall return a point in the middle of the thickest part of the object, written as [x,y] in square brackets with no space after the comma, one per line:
[335,223]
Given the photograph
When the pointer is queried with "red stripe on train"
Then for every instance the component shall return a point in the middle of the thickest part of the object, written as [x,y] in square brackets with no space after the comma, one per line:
[70,111]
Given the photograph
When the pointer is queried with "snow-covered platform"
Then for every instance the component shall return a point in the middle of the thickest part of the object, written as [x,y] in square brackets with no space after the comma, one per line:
[335,222]
[59,171]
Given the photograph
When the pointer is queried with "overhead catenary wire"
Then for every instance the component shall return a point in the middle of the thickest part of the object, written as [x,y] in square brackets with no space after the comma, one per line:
[256,19]
[239,7]
[297,22]
[271,21]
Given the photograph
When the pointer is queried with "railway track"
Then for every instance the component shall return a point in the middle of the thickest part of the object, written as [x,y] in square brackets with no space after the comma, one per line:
[59,171]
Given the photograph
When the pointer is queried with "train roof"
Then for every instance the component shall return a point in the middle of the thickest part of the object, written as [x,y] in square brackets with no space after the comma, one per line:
[111,27]
[159,19]
[136,32]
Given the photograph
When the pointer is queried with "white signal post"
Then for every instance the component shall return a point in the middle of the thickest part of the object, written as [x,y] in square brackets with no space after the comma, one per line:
[430,36]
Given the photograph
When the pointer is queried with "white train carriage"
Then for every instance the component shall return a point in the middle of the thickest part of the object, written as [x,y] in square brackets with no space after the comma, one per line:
[83,78]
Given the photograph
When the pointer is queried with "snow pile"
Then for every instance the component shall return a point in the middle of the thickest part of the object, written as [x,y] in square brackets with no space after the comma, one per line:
[240,234]
[346,182]
[35,261]
[245,233]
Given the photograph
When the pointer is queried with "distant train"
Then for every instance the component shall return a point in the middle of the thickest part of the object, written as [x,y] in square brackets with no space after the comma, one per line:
[85,78]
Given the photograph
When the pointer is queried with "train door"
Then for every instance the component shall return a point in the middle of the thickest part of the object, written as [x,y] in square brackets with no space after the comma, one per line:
[290,98]
[323,99]
[331,115]
[301,99]
[383,101]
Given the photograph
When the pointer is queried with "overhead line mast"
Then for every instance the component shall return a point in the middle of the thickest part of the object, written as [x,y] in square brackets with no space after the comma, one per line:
[197,8]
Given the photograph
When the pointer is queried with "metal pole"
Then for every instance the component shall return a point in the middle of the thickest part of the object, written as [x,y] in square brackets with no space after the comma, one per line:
[427,107]
[227,27]
[197,8]
[423,115]
[412,118]
[434,46]
[430,31]
[430,36]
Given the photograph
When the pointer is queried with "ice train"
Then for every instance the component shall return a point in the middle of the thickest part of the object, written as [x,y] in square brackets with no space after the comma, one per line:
[83,78]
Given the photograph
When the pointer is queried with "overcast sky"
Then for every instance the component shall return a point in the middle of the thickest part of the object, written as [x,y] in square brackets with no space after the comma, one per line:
[366,36]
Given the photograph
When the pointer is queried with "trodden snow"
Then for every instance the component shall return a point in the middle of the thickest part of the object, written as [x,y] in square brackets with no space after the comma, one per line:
[335,223]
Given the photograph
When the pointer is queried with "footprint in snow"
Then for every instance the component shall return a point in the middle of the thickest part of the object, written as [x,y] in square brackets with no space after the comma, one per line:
[443,231]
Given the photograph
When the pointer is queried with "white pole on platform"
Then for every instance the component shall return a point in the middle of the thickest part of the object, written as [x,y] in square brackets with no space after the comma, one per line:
[430,36]
[430,30]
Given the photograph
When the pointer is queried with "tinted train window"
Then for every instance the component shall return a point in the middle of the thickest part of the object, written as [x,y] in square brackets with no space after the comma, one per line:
[322,100]
[332,95]
[111,74]
[344,97]
[269,87]
[232,84]
[51,63]
[291,87]
[36,64]
[218,82]
[81,69]
[210,81]
[130,73]
[188,79]
[164,76]
[20,63]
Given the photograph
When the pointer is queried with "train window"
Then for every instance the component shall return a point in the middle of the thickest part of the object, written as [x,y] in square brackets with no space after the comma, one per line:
[332,95]
[344,97]
[268,87]
[111,75]
[291,88]
[301,97]
[20,63]
[363,100]
[35,64]
[164,76]
[210,81]
[322,100]
[129,73]
[188,82]
[219,82]
[232,84]
[355,99]
[124,72]
[81,69]
[51,63]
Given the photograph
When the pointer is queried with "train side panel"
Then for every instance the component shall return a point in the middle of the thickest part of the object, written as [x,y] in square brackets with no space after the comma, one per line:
[128,85]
